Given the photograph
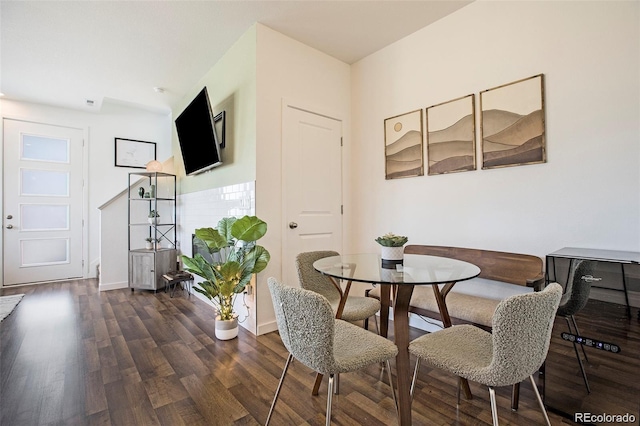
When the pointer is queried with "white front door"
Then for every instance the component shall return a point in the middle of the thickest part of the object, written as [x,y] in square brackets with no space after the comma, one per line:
[312,181]
[42,206]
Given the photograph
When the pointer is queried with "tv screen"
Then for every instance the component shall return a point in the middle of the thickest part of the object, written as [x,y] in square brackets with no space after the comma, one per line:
[197,136]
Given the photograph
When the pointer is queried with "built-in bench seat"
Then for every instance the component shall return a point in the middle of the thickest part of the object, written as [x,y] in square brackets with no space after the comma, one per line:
[474,301]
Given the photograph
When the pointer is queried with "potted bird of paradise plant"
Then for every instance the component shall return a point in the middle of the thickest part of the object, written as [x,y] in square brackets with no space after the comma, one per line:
[233,258]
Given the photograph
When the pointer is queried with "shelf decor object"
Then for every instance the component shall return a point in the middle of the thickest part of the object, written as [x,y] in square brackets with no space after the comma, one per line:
[512,123]
[133,153]
[403,145]
[451,136]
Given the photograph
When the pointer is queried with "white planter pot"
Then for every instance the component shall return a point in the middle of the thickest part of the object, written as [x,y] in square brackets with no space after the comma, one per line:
[149,245]
[153,220]
[227,329]
[392,253]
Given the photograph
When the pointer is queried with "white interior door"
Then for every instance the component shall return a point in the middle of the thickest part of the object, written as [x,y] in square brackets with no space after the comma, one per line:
[42,206]
[312,180]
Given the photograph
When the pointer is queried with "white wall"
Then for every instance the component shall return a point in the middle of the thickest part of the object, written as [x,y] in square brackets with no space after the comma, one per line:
[231,86]
[249,82]
[227,190]
[287,69]
[587,194]
[101,128]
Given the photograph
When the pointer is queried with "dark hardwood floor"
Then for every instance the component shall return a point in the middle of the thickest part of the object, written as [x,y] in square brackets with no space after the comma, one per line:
[70,355]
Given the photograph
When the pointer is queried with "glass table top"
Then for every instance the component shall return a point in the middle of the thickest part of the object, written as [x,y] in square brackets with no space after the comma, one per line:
[415,269]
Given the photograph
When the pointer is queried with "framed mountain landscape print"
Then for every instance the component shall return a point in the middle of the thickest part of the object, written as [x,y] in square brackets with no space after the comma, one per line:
[451,136]
[513,127]
[403,145]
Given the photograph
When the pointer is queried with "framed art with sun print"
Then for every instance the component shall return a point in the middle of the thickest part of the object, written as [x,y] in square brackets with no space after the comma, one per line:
[513,127]
[403,145]
[451,136]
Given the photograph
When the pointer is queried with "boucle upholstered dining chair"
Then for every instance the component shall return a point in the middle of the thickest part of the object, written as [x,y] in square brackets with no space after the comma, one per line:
[356,308]
[575,297]
[327,345]
[515,349]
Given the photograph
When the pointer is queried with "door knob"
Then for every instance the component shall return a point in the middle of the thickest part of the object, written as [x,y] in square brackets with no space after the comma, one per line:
[293,225]
[9,226]
[9,216]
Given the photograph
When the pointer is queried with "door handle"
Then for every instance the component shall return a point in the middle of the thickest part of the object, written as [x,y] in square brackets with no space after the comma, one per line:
[293,225]
[9,226]
[9,217]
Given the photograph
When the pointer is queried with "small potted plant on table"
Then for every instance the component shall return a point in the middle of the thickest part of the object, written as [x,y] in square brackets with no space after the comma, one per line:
[149,243]
[235,257]
[392,248]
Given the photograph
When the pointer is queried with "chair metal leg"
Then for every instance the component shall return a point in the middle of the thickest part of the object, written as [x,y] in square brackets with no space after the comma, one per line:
[494,406]
[275,398]
[575,348]
[329,395]
[393,390]
[415,376]
[539,398]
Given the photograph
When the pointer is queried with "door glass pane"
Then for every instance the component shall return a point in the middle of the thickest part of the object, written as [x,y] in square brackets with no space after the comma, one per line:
[44,217]
[41,148]
[44,182]
[44,251]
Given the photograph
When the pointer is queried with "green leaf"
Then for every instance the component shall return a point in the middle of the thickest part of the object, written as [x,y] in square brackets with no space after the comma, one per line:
[212,238]
[198,266]
[249,228]
[209,289]
[260,257]
[224,228]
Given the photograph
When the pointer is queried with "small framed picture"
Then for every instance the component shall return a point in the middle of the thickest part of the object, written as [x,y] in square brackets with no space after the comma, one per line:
[403,145]
[133,153]
[451,136]
[513,127]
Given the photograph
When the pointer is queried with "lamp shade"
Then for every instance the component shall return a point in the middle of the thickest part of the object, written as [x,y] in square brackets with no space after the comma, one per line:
[154,166]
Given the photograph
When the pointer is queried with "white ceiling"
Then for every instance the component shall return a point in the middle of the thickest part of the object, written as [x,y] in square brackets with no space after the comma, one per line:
[64,52]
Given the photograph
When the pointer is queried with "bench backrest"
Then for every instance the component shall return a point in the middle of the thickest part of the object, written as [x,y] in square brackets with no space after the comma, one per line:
[514,268]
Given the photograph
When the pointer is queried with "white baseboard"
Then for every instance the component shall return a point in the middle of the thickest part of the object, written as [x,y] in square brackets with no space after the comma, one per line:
[267,328]
[113,286]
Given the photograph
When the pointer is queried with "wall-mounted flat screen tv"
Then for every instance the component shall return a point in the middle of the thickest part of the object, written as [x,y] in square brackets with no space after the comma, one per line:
[197,136]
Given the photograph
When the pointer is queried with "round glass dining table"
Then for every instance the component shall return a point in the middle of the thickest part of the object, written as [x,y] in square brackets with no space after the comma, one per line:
[413,270]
